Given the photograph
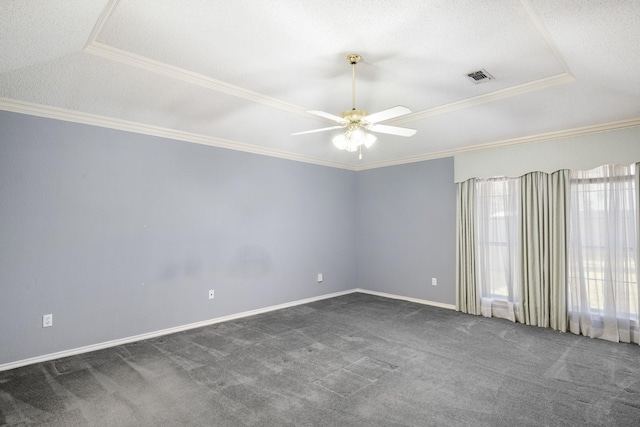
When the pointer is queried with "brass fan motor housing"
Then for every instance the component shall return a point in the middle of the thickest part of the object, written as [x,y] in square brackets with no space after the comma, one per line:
[354,116]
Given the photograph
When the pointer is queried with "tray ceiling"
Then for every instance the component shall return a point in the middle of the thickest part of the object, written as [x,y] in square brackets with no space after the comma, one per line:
[241,74]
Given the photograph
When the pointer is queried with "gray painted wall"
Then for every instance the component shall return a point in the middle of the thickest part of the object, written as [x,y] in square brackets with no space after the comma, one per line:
[406,230]
[118,234]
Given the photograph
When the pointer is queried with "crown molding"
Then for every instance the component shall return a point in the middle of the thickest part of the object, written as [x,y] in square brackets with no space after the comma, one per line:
[540,84]
[545,34]
[498,95]
[106,122]
[114,54]
[102,21]
[406,160]
[604,127]
[124,125]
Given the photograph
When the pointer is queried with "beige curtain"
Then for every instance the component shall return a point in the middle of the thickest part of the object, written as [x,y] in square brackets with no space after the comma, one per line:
[467,300]
[541,297]
[543,240]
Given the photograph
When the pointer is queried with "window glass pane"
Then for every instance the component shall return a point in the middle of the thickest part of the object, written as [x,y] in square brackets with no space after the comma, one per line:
[497,203]
[603,243]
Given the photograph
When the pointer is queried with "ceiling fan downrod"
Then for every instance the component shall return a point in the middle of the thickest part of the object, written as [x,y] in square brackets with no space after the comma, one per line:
[353,59]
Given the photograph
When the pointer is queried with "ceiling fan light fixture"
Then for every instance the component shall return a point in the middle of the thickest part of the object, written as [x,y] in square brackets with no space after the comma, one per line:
[340,141]
[353,138]
[358,124]
[369,140]
[351,148]
[356,136]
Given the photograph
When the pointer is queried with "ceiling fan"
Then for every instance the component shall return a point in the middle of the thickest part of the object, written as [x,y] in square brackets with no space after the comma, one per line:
[358,123]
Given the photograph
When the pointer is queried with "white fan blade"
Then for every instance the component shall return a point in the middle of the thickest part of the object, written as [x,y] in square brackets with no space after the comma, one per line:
[328,116]
[317,130]
[390,113]
[392,130]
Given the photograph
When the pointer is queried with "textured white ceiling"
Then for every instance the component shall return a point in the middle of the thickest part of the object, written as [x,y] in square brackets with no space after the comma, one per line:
[41,30]
[241,74]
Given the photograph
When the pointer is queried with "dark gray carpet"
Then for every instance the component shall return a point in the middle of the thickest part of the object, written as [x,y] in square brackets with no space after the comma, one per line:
[355,360]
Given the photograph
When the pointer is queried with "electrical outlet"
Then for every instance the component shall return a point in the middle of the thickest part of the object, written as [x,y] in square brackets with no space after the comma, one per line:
[211,294]
[434,281]
[47,320]
[320,277]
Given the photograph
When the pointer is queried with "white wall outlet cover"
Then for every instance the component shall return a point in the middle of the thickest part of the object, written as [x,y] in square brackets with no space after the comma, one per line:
[211,294]
[47,320]
[320,277]
[434,281]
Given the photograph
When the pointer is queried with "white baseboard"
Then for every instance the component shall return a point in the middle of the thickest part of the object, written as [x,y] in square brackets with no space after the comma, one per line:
[154,334]
[416,300]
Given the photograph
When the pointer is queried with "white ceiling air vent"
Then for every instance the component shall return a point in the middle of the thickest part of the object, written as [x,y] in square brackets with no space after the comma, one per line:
[480,76]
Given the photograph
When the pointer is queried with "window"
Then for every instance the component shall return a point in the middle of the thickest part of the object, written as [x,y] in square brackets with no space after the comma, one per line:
[497,205]
[603,282]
